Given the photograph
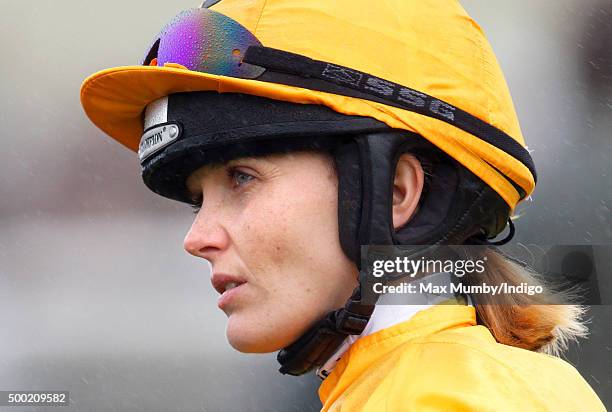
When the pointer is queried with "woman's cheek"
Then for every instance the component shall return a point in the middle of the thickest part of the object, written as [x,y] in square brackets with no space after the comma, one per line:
[258,238]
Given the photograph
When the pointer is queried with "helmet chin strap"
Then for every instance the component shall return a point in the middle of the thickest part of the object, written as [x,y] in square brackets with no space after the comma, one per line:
[457,208]
[375,175]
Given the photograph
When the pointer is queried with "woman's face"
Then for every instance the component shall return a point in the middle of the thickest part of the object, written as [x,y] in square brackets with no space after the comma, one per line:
[270,225]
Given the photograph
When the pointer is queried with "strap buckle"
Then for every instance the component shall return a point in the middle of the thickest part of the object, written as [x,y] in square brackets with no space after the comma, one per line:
[350,323]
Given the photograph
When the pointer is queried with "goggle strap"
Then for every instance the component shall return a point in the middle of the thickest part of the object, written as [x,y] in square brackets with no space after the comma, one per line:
[300,71]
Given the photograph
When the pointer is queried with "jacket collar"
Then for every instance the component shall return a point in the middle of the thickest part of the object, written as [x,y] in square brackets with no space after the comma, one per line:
[392,310]
[365,350]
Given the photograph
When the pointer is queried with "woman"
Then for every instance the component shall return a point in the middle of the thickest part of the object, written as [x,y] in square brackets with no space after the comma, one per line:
[302,130]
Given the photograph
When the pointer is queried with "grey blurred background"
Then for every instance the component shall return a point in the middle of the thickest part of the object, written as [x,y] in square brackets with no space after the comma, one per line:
[96,294]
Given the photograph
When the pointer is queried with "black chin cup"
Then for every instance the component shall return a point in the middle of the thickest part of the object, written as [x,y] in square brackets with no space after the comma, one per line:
[456,207]
[321,341]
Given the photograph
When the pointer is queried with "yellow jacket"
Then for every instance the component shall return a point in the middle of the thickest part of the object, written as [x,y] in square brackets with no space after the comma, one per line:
[440,360]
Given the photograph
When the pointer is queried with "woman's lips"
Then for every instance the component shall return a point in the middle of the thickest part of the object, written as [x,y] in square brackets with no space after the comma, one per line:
[229,295]
[228,286]
[220,281]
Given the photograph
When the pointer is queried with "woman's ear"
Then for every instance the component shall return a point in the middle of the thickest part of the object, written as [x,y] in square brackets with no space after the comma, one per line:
[407,189]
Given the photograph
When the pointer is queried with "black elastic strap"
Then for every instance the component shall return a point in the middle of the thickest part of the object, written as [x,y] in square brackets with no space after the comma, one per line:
[300,71]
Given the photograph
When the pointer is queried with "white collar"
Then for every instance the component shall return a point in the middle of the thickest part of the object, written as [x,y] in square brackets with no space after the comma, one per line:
[387,314]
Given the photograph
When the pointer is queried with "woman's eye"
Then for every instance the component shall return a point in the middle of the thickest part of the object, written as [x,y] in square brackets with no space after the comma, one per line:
[239,177]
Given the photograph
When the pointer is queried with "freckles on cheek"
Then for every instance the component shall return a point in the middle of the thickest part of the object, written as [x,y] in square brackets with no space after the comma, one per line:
[278,254]
[263,238]
[274,241]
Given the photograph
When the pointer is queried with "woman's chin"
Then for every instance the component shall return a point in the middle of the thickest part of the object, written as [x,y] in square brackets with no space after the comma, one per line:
[246,337]
[251,343]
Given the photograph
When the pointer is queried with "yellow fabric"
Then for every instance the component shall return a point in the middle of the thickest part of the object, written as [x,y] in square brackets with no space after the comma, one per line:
[429,45]
[440,360]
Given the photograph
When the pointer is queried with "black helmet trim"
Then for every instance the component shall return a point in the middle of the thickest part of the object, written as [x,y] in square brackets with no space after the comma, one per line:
[217,127]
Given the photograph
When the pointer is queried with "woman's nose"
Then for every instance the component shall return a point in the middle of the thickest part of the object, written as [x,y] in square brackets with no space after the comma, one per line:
[206,238]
